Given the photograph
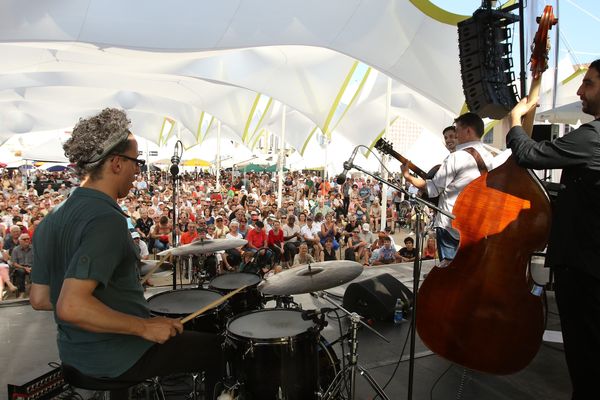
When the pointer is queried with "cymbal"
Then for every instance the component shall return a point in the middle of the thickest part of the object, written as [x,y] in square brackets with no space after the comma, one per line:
[302,279]
[204,246]
[148,265]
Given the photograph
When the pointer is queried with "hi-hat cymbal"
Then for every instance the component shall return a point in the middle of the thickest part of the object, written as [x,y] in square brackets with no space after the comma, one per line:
[148,265]
[204,246]
[305,278]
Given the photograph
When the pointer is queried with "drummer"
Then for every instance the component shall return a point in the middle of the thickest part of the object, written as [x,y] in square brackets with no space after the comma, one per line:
[86,270]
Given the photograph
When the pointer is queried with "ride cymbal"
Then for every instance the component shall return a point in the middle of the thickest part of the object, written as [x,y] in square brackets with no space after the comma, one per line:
[311,277]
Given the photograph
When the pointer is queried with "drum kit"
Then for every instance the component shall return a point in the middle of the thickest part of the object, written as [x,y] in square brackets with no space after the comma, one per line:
[272,353]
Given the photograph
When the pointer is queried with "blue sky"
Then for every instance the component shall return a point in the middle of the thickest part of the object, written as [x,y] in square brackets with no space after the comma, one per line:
[579,24]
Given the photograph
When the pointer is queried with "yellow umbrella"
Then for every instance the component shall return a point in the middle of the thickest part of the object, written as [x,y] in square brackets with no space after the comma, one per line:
[196,162]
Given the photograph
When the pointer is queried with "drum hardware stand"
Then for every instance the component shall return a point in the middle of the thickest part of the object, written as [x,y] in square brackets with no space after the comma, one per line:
[352,366]
[417,263]
[175,160]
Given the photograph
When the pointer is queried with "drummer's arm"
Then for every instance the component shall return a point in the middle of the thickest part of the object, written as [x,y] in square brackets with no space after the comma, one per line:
[78,306]
[39,297]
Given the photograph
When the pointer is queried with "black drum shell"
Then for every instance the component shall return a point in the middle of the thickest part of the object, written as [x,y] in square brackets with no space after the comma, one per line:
[180,303]
[246,300]
[274,367]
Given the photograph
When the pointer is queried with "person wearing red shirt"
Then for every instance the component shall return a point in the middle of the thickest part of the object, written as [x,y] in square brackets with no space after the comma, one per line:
[256,237]
[190,235]
[275,240]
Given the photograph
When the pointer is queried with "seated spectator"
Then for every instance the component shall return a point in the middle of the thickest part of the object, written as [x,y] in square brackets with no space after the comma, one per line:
[256,237]
[141,246]
[191,234]
[357,249]
[385,254]
[12,239]
[22,262]
[303,256]
[310,235]
[161,233]
[220,229]
[328,253]
[143,225]
[4,274]
[430,250]
[409,252]
[276,242]
[291,237]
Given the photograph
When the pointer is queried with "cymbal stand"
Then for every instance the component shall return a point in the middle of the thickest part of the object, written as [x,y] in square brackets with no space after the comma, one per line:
[352,367]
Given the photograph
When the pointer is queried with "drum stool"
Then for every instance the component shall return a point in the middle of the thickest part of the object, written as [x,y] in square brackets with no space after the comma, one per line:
[113,389]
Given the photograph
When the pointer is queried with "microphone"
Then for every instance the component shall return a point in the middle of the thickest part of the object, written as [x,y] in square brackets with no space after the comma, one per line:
[176,159]
[347,167]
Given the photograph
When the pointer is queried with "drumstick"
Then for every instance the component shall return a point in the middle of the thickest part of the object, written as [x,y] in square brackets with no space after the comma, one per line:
[149,274]
[211,305]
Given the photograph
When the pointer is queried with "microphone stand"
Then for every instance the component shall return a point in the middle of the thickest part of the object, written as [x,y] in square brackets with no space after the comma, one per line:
[416,264]
[178,152]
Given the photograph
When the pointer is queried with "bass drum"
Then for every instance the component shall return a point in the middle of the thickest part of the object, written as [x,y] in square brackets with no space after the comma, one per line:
[183,302]
[274,354]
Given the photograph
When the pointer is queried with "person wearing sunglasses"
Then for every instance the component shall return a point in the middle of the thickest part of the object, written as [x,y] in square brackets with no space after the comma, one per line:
[86,270]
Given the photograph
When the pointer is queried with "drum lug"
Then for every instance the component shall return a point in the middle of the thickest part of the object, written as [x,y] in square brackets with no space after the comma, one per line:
[249,350]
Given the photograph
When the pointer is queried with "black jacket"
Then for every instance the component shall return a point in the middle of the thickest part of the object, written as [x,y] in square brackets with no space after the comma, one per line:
[575,234]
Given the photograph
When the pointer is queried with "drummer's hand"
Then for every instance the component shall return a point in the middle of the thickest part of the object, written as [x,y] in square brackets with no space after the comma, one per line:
[161,329]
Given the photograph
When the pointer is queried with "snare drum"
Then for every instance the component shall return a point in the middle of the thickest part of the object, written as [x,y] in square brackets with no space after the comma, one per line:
[183,302]
[248,299]
[274,354]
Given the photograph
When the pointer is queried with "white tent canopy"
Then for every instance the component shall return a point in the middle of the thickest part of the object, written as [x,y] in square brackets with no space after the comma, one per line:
[63,61]
[181,63]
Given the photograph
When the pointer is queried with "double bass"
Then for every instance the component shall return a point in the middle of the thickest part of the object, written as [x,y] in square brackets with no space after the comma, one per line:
[483,310]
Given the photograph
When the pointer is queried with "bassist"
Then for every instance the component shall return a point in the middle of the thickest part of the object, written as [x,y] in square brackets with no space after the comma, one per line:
[574,245]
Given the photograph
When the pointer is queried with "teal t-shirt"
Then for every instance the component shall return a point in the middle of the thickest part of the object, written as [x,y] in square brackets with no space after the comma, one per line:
[86,237]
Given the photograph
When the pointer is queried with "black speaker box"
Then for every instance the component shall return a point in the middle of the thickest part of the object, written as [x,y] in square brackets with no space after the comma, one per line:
[376,297]
[485,63]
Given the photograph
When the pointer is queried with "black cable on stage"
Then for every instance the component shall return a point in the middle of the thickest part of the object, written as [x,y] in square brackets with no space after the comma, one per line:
[438,380]
[399,359]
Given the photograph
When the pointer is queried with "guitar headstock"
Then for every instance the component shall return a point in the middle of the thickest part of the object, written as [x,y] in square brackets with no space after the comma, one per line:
[541,43]
[384,146]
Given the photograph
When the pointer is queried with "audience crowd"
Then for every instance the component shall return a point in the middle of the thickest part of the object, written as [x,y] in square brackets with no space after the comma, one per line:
[318,220]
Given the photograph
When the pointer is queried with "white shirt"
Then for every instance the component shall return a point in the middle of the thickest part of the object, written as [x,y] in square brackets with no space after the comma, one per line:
[230,235]
[310,232]
[455,173]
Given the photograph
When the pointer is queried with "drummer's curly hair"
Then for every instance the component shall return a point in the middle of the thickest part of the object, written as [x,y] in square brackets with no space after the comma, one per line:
[96,137]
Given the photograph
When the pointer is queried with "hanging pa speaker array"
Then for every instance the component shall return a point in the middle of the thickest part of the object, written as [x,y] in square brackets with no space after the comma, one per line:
[486,63]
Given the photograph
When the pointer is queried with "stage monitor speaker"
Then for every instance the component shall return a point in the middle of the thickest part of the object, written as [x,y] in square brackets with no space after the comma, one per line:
[376,297]
[486,63]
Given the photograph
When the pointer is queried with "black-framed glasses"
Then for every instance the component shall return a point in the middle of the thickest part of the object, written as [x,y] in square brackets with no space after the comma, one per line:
[140,163]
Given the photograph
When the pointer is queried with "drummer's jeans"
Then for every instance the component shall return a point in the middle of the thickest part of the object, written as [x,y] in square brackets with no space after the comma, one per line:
[187,352]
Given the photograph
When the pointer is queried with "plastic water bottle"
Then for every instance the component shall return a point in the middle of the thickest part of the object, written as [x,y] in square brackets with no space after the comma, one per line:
[398,313]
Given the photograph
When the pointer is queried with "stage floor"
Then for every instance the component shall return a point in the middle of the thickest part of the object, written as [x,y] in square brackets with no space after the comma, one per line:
[28,345]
